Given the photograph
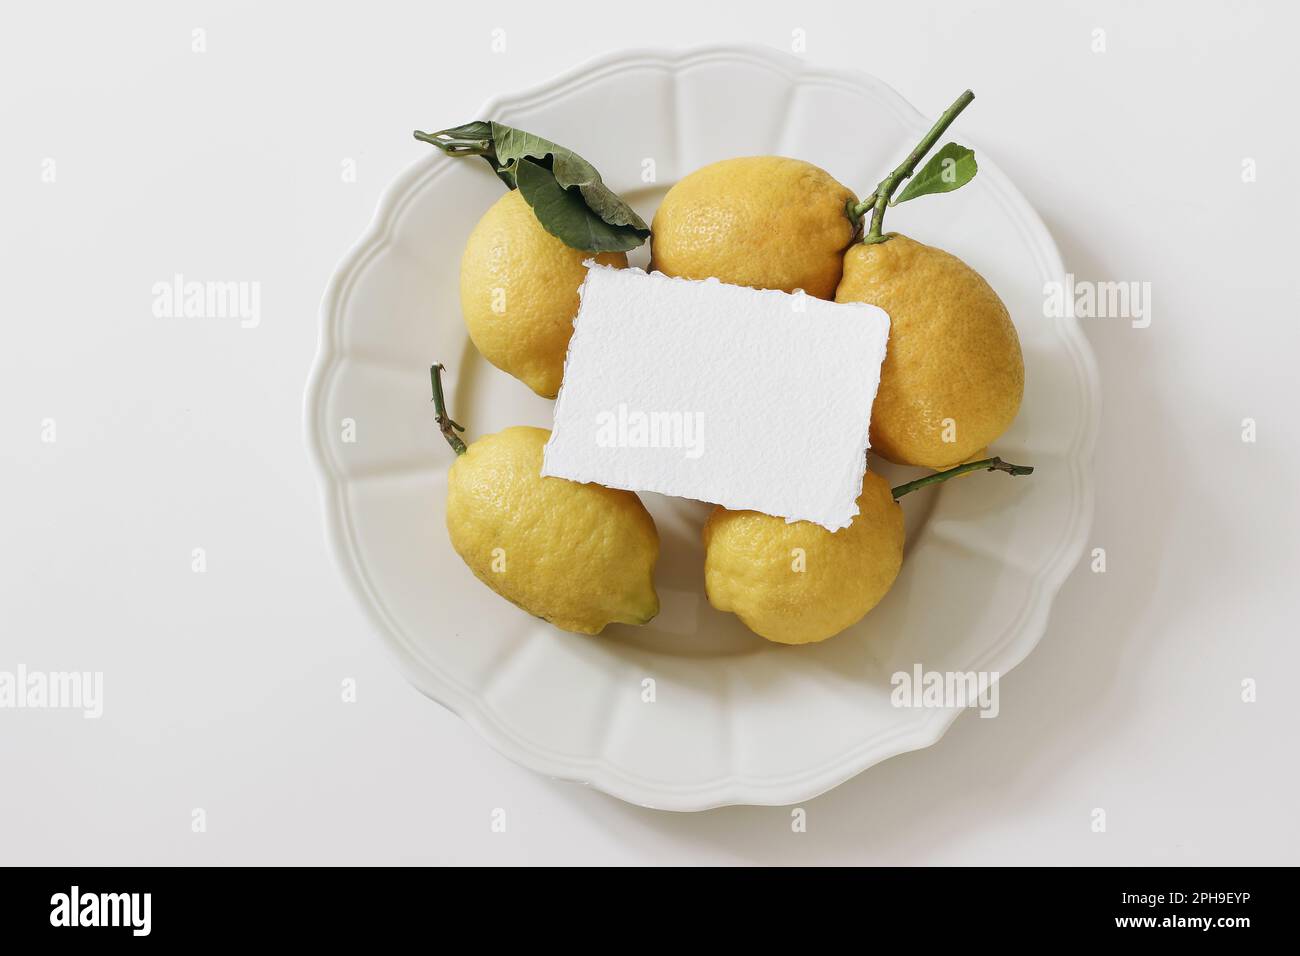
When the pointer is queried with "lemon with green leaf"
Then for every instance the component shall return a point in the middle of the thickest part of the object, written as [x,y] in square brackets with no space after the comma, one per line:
[953,376]
[523,262]
[519,293]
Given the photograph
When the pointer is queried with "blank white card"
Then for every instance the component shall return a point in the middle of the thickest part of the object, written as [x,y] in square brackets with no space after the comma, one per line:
[749,399]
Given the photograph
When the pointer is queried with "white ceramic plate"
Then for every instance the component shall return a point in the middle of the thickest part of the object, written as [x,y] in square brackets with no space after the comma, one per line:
[735,719]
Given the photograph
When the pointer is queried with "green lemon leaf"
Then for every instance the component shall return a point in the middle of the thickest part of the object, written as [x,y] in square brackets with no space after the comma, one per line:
[570,170]
[565,214]
[950,168]
[508,149]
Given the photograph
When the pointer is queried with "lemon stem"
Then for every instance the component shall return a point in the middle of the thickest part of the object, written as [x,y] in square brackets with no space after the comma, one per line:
[465,140]
[984,464]
[445,424]
[878,201]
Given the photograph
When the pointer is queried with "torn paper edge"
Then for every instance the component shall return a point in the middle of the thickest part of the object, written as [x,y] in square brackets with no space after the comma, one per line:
[864,437]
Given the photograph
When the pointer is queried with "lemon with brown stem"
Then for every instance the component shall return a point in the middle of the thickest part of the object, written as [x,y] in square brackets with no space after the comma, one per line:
[580,556]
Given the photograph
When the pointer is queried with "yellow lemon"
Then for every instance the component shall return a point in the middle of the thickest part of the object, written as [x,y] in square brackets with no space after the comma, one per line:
[761,221]
[953,375]
[580,556]
[798,583]
[519,292]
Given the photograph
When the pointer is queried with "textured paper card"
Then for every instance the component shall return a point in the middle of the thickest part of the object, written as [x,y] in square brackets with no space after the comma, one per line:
[749,399]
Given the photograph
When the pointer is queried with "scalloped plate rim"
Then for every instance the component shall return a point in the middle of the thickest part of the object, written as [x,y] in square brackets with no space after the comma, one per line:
[596,772]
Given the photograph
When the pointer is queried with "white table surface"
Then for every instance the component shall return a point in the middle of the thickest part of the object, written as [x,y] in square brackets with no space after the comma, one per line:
[222,689]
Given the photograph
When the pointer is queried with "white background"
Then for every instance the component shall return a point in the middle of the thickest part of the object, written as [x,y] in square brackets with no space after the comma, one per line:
[222,690]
